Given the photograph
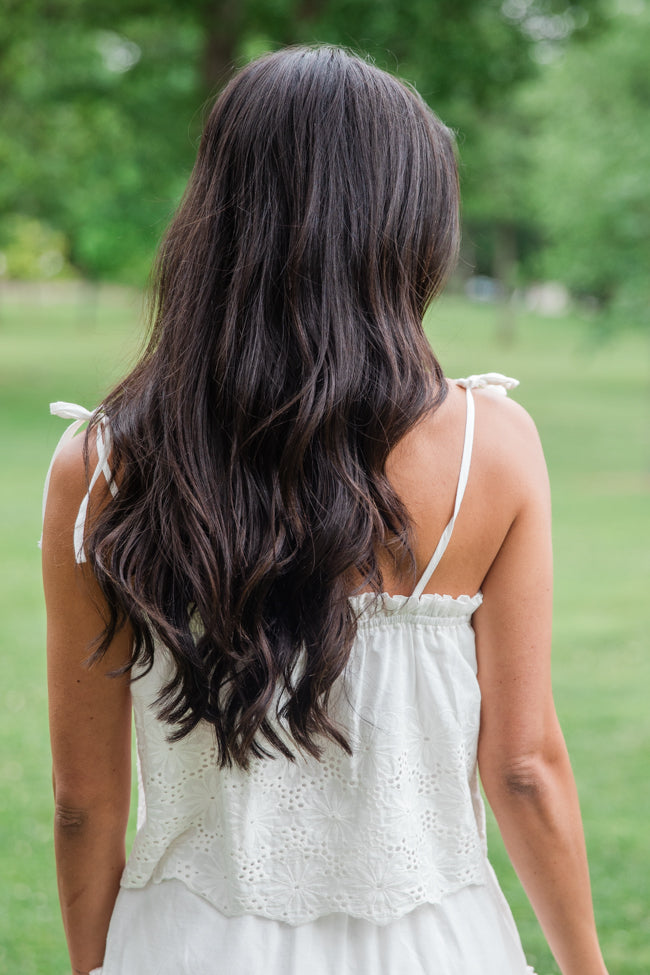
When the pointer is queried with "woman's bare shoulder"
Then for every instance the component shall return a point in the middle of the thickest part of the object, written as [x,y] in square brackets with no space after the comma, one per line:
[67,485]
[504,413]
[507,443]
[69,465]
[69,481]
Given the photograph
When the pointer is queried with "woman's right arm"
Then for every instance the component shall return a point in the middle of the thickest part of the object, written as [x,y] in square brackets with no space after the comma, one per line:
[523,760]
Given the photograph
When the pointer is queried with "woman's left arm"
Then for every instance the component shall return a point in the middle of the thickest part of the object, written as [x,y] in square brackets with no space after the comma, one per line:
[90,726]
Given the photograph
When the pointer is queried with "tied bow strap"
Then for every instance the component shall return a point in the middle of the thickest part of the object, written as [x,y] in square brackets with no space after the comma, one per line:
[80,415]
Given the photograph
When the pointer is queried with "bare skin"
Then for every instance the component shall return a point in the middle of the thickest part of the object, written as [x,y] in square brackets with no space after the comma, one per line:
[501,545]
[90,728]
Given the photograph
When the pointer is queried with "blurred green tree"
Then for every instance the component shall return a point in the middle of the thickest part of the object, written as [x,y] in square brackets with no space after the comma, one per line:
[90,139]
[590,162]
[98,98]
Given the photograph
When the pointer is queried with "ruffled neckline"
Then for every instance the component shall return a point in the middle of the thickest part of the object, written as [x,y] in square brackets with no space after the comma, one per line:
[434,605]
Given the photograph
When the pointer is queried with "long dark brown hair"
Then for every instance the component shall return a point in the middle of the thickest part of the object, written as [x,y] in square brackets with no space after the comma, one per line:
[286,359]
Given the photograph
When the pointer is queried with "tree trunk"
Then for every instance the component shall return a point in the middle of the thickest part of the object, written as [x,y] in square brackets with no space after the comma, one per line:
[223,27]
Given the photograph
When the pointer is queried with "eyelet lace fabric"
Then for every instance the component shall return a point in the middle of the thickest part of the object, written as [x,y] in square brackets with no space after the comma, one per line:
[398,823]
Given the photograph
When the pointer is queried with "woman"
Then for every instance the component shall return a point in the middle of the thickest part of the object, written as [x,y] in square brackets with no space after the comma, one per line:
[256,528]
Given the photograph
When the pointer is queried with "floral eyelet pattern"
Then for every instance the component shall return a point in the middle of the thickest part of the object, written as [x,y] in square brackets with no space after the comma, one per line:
[397,824]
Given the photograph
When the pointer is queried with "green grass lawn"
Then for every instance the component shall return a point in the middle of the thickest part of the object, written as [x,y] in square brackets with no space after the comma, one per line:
[590,401]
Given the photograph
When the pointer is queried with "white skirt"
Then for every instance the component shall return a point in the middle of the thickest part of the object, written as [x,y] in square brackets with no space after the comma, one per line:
[166,929]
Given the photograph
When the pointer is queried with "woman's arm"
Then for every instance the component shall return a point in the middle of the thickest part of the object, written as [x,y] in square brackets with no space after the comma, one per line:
[90,727]
[523,759]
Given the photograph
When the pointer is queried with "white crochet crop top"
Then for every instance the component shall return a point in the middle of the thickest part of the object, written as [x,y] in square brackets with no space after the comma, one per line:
[398,823]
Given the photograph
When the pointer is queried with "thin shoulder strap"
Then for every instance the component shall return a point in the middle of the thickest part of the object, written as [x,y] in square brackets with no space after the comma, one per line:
[80,415]
[460,491]
[501,384]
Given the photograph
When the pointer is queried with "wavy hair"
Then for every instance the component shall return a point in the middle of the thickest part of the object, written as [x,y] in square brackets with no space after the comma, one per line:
[286,358]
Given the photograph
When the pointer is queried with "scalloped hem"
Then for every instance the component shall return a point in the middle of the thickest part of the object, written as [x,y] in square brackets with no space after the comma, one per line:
[482,877]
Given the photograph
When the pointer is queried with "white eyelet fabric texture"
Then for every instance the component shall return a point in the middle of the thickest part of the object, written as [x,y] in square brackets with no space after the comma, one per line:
[397,824]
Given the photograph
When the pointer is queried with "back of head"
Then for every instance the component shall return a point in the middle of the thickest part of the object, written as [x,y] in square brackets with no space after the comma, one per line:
[321,182]
[286,359]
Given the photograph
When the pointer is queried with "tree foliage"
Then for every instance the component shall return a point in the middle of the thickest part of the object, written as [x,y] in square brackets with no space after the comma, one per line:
[100,102]
[96,131]
[590,159]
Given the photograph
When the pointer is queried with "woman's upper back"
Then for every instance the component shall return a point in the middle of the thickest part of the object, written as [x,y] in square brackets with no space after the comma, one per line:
[424,470]
[499,451]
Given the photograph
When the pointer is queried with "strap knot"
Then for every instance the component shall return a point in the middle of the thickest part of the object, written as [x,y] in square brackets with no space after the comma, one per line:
[500,382]
[80,415]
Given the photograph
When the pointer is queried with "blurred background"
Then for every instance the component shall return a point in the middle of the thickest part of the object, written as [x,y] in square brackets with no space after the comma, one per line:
[101,108]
